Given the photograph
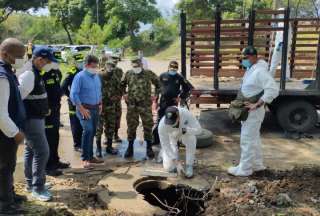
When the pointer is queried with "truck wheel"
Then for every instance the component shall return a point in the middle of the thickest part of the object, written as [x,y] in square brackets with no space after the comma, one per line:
[297,116]
[205,139]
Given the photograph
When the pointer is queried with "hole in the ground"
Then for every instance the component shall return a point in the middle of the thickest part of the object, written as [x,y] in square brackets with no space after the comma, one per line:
[175,199]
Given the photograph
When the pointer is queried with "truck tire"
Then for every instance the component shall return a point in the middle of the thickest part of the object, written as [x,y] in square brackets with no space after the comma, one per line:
[297,116]
[205,139]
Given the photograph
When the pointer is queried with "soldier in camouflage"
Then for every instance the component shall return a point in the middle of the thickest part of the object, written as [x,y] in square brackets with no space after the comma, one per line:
[138,98]
[111,97]
[115,59]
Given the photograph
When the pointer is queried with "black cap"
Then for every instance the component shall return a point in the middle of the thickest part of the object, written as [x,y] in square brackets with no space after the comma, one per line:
[250,50]
[171,115]
[44,52]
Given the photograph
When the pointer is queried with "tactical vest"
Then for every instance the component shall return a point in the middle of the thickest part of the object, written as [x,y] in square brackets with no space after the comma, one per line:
[36,103]
[15,105]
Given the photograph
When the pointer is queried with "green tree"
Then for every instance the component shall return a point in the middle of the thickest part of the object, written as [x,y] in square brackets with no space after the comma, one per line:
[90,33]
[126,16]
[7,7]
[69,13]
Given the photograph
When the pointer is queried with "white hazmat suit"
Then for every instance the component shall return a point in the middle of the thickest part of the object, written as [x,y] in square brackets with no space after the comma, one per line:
[169,137]
[278,47]
[255,80]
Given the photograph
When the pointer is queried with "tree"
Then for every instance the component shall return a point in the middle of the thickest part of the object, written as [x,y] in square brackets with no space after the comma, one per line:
[69,13]
[90,33]
[9,6]
[129,14]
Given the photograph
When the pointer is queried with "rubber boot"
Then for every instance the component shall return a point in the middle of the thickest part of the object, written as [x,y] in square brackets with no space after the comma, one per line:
[129,152]
[98,151]
[110,149]
[117,139]
[150,153]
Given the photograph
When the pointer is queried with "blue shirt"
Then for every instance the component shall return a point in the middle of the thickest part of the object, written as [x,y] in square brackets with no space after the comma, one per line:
[86,89]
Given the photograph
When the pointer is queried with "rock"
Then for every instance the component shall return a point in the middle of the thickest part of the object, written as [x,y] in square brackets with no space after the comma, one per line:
[252,187]
[283,200]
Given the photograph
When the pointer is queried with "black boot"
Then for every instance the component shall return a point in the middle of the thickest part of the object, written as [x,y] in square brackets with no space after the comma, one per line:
[110,149]
[150,152]
[117,139]
[98,151]
[129,152]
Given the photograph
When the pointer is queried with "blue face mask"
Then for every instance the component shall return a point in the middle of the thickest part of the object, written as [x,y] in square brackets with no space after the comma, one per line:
[172,72]
[246,63]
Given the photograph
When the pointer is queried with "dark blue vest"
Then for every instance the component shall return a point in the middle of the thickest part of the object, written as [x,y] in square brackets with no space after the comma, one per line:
[16,107]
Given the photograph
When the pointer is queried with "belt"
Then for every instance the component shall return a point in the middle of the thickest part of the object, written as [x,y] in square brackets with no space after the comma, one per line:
[89,106]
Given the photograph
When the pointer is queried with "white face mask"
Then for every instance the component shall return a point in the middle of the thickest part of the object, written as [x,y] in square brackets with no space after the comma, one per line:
[92,70]
[19,63]
[55,66]
[48,67]
[137,70]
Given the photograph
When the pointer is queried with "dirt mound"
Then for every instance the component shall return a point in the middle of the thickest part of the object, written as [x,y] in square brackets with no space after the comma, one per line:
[295,192]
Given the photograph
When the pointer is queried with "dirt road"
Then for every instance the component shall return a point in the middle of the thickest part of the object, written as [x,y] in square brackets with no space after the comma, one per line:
[75,193]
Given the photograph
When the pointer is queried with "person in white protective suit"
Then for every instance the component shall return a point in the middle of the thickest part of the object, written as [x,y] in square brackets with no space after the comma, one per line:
[278,46]
[256,81]
[178,123]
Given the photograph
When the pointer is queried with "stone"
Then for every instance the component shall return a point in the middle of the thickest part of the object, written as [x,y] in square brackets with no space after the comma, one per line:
[283,200]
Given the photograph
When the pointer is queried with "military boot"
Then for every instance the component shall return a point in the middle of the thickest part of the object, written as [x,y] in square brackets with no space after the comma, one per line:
[116,137]
[98,150]
[150,152]
[129,152]
[110,149]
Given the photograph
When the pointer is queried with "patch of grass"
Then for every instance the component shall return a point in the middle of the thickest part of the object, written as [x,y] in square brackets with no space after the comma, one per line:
[171,52]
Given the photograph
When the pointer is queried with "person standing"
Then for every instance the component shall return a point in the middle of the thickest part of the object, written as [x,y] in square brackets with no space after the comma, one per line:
[52,79]
[178,124]
[259,87]
[138,99]
[37,108]
[12,119]
[174,88]
[86,96]
[111,97]
[118,105]
[76,128]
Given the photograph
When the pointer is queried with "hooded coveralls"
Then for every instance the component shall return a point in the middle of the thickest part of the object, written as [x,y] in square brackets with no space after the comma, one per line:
[169,137]
[255,80]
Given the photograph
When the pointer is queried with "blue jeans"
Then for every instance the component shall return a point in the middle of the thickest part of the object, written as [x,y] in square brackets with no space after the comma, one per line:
[89,131]
[36,154]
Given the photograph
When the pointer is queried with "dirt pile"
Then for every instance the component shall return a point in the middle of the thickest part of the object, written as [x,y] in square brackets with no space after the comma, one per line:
[295,192]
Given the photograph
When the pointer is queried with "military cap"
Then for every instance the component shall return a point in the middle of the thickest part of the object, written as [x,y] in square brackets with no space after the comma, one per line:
[250,50]
[136,61]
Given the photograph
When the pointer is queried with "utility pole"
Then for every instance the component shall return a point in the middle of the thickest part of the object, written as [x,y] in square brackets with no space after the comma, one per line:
[97,3]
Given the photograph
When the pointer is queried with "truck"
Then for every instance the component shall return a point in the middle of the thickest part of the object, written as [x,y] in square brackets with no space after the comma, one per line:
[214,48]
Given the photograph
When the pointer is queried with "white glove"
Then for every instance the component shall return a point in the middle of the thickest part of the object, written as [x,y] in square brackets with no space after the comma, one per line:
[180,169]
[175,134]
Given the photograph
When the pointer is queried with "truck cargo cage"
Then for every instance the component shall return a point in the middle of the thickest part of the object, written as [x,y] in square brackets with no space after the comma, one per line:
[215,48]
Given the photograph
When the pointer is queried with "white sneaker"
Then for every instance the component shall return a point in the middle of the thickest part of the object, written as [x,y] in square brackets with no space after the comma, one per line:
[236,171]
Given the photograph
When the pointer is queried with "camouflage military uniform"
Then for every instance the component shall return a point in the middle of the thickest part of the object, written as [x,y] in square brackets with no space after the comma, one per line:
[111,88]
[139,101]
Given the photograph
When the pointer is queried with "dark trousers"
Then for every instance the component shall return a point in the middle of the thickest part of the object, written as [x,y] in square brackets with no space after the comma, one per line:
[76,127]
[8,157]
[164,104]
[53,137]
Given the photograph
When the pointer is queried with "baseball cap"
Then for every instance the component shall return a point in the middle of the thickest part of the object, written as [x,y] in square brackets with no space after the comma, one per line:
[171,115]
[250,50]
[44,52]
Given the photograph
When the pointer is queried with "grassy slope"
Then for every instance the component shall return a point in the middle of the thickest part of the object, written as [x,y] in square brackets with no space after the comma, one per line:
[172,52]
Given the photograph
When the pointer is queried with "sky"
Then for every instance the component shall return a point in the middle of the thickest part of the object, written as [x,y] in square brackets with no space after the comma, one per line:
[165,6]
